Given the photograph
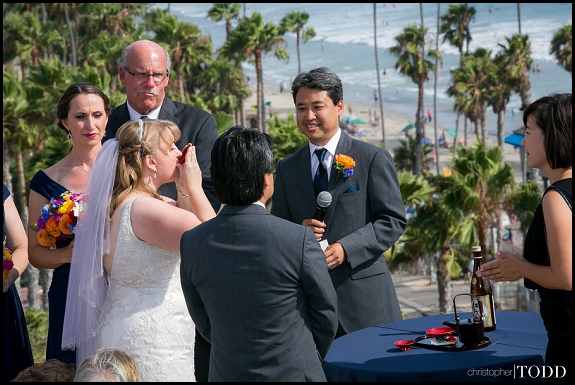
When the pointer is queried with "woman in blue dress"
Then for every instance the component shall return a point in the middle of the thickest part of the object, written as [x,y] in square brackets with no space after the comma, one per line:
[82,113]
[16,351]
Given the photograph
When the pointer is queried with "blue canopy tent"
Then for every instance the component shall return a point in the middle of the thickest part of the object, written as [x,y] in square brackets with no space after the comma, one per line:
[514,139]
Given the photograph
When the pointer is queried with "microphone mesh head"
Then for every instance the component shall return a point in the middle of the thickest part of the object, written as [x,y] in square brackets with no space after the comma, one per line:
[323,199]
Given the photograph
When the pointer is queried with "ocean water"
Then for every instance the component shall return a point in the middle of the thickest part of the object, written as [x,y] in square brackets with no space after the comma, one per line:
[344,43]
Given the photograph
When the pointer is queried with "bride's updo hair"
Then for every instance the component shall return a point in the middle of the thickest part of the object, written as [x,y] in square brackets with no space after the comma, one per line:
[133,146]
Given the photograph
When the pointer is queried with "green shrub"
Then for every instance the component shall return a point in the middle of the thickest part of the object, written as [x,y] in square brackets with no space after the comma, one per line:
[37,322]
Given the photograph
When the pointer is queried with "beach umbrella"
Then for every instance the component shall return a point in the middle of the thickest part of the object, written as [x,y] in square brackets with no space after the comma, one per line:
[408,127]
[451,132]
[353,119]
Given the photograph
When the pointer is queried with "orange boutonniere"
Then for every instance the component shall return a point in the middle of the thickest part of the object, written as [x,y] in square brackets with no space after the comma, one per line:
[344,165]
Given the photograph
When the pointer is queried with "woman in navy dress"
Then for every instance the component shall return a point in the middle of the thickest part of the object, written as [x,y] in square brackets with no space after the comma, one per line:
[16,351]
[82,113]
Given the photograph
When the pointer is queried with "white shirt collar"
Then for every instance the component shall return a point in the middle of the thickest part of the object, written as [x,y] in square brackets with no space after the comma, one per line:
[259,204]
[330,146]
[135,115]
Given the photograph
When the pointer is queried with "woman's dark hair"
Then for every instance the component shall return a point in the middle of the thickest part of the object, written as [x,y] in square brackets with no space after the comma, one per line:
[63,106]
[552,114]
[240,159]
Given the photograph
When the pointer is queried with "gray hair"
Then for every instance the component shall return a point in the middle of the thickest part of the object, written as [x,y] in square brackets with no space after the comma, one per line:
[108,365]
[123,60]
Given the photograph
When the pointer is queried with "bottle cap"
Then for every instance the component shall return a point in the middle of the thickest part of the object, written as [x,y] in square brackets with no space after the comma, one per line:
[476,248]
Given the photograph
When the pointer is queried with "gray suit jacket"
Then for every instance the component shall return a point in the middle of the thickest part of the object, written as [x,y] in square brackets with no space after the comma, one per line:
[366,217]
[197,127]
[258,288]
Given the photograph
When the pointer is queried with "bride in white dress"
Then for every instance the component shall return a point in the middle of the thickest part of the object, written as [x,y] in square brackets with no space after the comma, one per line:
[132,299]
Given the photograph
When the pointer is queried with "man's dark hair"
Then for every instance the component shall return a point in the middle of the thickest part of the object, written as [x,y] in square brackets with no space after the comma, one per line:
[322,79]
[240,159]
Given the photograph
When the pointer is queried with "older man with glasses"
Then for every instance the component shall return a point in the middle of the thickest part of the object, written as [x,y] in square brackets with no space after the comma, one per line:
[144,69]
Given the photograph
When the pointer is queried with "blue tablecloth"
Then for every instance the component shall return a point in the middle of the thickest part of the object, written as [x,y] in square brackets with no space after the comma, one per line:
[370,354]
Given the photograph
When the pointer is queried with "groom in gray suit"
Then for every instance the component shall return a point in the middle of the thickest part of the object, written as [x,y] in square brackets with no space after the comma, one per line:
[366,215]
[257,286]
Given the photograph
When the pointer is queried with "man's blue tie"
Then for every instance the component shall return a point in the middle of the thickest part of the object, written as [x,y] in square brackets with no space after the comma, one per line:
[144,117]
[320,179]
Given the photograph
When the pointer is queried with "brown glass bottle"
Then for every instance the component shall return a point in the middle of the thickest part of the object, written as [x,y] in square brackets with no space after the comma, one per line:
[481,288]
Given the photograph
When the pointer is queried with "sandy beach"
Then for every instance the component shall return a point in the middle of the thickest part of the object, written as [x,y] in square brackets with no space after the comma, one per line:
[393,122]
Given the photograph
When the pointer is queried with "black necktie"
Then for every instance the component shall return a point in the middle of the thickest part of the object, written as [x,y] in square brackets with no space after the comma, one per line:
[320,179]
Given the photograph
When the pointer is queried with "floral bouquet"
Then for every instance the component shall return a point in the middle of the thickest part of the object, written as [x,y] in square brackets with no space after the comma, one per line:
[7,263]
[58,219]
[344,165]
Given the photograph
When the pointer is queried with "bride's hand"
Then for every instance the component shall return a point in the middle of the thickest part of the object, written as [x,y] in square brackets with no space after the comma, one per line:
[190,172]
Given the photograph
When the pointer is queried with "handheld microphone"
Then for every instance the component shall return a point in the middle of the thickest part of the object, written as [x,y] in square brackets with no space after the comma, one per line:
[323,202]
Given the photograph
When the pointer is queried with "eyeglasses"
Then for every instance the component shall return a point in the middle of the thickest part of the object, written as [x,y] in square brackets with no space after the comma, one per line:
[143,76]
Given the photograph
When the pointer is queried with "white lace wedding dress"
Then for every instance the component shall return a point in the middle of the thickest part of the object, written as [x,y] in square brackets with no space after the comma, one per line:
[145,313]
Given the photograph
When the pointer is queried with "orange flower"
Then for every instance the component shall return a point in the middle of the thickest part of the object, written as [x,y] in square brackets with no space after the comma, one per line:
[7,263]
[45,240]
[66,221]
[52,227]
[58,218]
[344,165]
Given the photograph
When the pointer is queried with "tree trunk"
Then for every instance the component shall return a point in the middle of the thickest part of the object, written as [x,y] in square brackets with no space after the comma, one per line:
[45,280]
[435,93]
[260,93]
[31,275]
[378,77]
[443,285]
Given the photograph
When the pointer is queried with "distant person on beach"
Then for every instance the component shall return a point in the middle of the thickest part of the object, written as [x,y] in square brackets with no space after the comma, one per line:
[547,262]
[350,108]
[429,116]
[144,69]
[257,286]
[361,178]
[375,97]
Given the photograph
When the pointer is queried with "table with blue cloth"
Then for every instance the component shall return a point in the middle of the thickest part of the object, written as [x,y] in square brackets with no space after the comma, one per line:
[516,352]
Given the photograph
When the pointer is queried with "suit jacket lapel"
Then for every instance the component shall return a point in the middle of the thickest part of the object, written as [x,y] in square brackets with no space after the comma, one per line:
[335,184]
[169,111]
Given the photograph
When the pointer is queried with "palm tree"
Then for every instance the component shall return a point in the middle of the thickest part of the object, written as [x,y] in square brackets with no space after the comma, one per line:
[404,156]
[253,39]
[295,21]
[377,72]
[470,87]
[227,12]
[409,48]
[498,95]
[483,181]
[518,61]
[562,46]
[185,43]
[455,27]
[435,92]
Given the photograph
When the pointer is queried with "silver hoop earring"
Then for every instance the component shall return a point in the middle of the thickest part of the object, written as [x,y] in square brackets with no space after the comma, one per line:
[155,175]
[69,135]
